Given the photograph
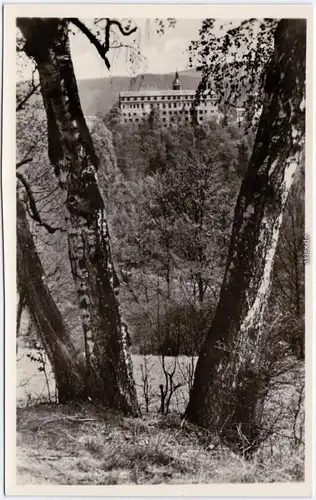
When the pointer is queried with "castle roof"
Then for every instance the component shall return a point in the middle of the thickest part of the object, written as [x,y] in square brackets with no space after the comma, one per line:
[153,93]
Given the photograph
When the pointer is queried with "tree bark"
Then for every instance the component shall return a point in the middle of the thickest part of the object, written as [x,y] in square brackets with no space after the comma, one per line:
[75,163]
[230,381]
[69,372]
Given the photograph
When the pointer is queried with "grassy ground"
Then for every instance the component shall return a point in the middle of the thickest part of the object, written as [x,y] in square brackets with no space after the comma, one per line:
[77,446]
[83,445]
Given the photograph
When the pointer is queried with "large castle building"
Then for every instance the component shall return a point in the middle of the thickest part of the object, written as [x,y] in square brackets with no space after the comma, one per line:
[136,106]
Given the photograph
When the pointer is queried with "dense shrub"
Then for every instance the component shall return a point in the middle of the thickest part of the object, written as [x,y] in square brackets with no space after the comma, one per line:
[181,330]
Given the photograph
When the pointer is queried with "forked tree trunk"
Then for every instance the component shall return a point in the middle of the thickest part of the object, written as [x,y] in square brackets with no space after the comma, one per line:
[75,163]
[68,370]
[230,381]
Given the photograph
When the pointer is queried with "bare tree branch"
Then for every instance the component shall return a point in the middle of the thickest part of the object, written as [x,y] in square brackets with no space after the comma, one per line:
[124,32]
[23,162]
[34,213]
[27,97]
[92,38]
[105,47]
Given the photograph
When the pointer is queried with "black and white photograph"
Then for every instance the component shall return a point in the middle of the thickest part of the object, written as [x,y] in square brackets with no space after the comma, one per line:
[162,247]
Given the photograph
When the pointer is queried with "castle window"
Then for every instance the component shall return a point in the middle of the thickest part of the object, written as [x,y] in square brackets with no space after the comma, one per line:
[164,113]
[174,104]
[170,105]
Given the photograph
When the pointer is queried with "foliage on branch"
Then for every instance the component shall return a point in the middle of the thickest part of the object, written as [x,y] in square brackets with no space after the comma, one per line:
[233,57]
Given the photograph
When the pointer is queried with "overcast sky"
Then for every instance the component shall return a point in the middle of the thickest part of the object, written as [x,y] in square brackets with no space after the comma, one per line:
[159,53]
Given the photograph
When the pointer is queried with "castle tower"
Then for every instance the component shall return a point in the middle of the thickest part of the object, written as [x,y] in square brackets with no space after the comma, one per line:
[177,85]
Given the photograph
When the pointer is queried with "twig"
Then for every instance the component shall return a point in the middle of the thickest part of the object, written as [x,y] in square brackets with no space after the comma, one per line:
[23,162]
[72,419]
[33,212]
[26,98]
[93,39]
[102,48]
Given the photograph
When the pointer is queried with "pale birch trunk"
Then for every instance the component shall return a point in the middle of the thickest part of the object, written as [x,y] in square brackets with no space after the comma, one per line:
[75,163]
[229,384]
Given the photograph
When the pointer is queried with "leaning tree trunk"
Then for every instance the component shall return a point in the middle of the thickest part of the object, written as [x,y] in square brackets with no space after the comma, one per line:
[229,381]
[68,370]
[75,163]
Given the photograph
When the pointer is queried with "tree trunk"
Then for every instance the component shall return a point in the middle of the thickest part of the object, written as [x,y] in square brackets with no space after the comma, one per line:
[75,163]
[230,381]
[69,372]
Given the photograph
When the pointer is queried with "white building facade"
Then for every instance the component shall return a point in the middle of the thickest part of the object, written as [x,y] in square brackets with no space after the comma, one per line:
[136,106]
